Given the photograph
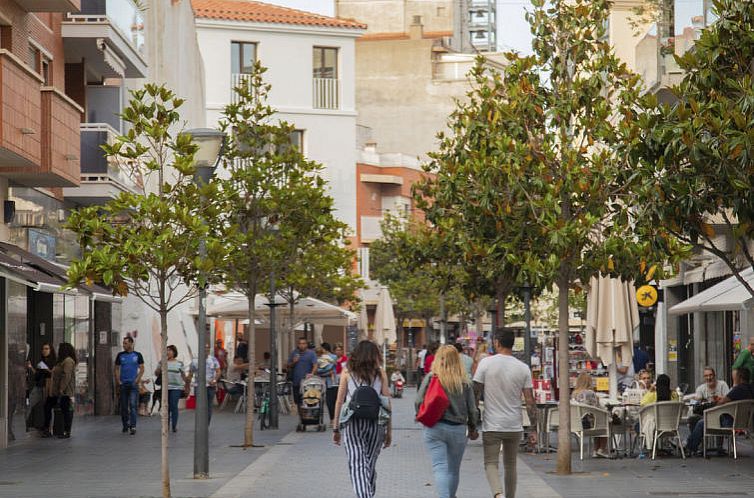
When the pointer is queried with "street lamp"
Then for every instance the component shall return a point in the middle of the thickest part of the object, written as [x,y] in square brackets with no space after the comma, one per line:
[273,304]
[210,144]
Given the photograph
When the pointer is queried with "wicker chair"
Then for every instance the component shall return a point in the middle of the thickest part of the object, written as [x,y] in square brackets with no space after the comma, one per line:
[600,426]
[740,411]
[667,416]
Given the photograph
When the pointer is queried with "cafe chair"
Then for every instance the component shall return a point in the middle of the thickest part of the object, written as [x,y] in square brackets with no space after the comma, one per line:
[599,424]
[665,416]
[552,424]
[739,411]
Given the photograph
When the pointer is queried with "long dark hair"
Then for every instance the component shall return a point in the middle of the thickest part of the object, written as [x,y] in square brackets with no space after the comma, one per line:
[65,350]
[52,358]
[662,384]
[364,362]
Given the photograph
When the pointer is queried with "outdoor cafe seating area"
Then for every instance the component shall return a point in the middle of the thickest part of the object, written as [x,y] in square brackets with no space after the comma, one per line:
[649,431]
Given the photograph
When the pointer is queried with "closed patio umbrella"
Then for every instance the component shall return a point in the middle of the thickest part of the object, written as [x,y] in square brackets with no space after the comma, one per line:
[363,322]
[384,319]
[612,314]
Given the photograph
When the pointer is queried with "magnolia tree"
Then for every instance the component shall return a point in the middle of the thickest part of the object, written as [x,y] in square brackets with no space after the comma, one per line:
[274,216]
[146,245]
[530,177]
[694,158]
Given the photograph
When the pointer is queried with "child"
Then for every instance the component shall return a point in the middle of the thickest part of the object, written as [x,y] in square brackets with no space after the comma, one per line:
[325,366]
[396,376]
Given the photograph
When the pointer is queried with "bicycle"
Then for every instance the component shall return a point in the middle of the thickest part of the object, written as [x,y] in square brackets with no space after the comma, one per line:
[264,411]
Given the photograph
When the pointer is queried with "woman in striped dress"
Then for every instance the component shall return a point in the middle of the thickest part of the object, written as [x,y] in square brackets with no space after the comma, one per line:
[363,438]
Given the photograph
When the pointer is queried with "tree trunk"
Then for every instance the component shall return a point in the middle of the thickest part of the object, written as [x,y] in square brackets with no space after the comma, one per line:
[248,433]
[563,466]
[165,461]
[479,313]
[501,295]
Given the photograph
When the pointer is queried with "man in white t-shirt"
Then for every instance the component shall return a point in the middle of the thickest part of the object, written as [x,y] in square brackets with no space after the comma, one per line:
[420,364]
[502,379]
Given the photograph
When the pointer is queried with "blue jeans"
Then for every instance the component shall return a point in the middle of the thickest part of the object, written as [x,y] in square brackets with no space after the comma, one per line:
[129,404]
[696,436]
[210,399]
[446,444]
[174,395]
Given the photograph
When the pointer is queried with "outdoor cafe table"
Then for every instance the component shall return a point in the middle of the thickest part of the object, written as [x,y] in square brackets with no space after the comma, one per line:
[625,420]
[542,429]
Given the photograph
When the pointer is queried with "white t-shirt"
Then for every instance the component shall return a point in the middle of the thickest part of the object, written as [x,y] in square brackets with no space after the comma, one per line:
[422,355]
[704,393]
[504,377]
[627,378]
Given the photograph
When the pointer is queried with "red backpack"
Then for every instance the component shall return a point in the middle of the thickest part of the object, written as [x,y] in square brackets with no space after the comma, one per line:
[434,405]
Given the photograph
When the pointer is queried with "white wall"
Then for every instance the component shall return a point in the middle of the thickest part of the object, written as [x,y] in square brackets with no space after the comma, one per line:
[286,51]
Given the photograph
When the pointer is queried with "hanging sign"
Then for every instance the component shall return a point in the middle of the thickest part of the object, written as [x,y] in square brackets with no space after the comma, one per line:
[646,295]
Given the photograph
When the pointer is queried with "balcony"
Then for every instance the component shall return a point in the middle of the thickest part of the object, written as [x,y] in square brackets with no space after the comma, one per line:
[326,93]
[20,115]
[50,5]
[102,178]
[109,35]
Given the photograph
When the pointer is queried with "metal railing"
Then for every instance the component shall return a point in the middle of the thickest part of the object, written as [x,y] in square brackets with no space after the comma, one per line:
[239,80]
[326,93]
[96,167]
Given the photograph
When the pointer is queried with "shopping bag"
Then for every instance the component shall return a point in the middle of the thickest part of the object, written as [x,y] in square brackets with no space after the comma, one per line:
[434,405]
[191,402]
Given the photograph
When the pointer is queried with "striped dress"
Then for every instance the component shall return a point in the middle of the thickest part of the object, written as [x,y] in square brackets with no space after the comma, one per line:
[363,440]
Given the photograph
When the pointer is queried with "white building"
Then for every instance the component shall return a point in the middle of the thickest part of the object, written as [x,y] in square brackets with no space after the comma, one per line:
[310,61]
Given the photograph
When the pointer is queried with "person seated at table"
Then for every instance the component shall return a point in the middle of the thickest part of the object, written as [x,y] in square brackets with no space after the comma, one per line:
[236,373]
[645,380]
[741,390]
[584,394]
[707,394]
[661,392]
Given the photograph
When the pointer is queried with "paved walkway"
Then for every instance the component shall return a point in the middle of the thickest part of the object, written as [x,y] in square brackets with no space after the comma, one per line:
[101,462]
[309,461]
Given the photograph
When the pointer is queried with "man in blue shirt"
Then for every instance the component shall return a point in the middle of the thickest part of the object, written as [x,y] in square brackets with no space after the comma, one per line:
[303,362]
[129,367]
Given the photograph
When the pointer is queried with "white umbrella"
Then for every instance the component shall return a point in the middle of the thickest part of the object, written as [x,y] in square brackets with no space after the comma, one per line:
[384,319]
[611,317]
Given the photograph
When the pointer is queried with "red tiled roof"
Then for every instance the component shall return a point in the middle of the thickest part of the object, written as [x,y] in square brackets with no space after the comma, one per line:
[245,10]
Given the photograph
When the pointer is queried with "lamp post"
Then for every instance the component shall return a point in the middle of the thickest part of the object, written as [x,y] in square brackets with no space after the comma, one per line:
[273,304]
[210,143]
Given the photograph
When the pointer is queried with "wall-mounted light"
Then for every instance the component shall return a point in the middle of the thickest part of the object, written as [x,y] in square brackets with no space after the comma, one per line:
[27,131]
[71,157]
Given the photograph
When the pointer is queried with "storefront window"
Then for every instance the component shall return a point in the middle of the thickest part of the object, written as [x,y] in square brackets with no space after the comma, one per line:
[71,324]
[18,351]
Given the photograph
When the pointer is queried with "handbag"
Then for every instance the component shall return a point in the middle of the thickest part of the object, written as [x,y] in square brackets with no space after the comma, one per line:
[434,405]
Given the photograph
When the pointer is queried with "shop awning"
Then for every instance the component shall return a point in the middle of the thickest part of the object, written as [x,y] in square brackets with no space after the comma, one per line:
[28,269]
[728,295]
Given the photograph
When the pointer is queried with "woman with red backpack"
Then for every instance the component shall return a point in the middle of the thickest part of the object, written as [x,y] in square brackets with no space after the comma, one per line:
[362,413]
[446,406]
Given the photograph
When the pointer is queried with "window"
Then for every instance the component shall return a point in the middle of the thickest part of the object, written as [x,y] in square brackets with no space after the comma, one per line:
[33,58]
[243,55]
[46,72]
[325,63]
[297,140]
[6,36]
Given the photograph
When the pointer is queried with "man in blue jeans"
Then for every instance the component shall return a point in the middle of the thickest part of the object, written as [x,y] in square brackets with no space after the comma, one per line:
[741,390]
[129,367]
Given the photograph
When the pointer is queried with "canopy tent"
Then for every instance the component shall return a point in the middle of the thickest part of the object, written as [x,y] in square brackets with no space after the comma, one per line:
[728,295]
[306,310]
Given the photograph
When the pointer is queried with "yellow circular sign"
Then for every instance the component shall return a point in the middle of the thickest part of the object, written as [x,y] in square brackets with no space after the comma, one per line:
[646,295]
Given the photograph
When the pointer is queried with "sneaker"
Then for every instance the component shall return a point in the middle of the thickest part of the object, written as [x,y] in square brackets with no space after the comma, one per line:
[125,429]
[132,430]
[602,453]
[46,434]
[174,429]
[594,454]
[65,435]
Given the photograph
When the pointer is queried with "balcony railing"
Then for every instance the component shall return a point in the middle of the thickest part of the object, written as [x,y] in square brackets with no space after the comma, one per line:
[326,93]
[123,14]
[239,80]
[96,167]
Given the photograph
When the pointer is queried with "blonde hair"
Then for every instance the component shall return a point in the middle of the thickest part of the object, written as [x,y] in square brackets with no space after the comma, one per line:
[448,369]
[583,382]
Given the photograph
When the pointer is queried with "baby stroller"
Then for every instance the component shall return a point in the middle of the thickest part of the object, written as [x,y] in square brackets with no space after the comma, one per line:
[312,410]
